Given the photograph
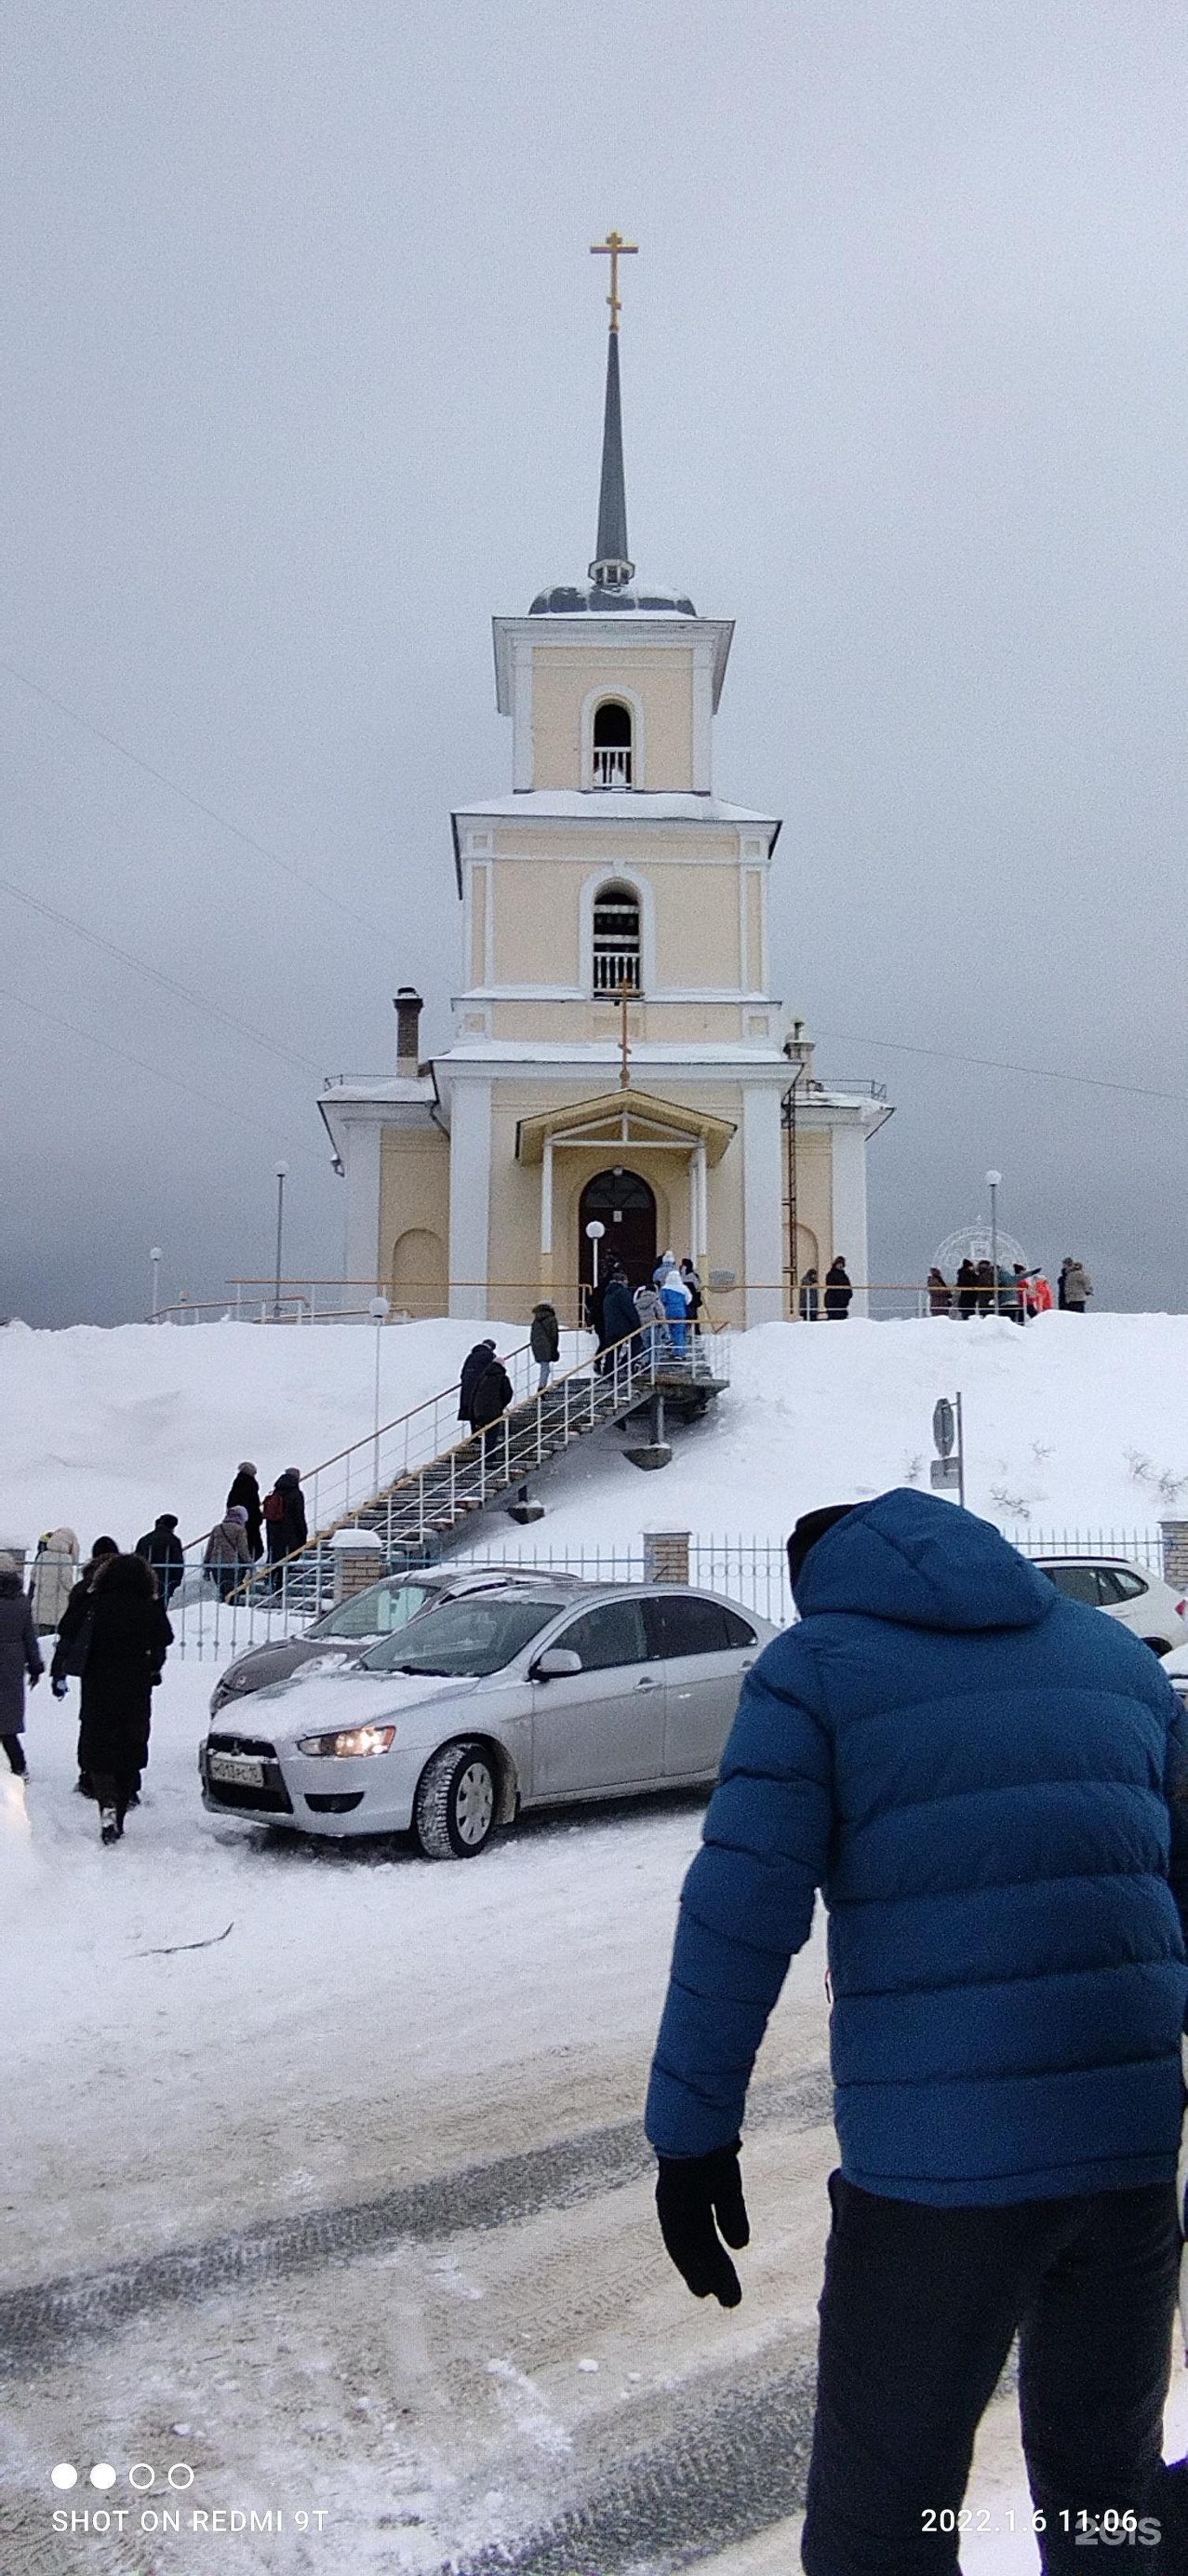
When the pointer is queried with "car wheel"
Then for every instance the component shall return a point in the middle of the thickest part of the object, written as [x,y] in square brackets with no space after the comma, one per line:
[454,1813]
[1158,1645]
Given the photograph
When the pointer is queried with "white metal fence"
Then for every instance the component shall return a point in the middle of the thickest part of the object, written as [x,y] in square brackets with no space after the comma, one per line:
[752,1570]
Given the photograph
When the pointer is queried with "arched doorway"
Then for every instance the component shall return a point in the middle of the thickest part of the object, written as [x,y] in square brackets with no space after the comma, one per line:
[624,1204]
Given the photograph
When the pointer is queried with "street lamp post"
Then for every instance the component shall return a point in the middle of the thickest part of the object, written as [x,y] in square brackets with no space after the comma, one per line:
[155,1258]
[282,1174]
[992,1181]
[378,1311]
[594,1234]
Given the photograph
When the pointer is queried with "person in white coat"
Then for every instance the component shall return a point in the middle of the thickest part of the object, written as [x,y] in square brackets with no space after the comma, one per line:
[55,1573]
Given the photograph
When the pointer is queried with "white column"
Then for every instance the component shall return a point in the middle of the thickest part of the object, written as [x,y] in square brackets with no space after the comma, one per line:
[362,1259]
[546,1202]
[470,1196]
[848,1145]
[763,1204]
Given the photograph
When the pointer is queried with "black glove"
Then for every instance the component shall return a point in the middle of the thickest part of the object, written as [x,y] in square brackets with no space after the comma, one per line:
[691,2193]
[59,1689]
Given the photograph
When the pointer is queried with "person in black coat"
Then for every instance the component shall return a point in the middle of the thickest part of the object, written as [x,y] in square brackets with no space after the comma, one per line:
[284,1516]
[967,1290]
[620,1318]
[810,1297]
[162,1549]
[20,1655]
[490,1395]
[70,1652]
[130,1638]
[838,1291]
[246,1492]
[544,1341]
[474,1366]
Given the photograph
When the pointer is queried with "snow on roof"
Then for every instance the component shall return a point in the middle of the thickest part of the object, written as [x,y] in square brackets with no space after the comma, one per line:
[398,1087]
[605,804]
[706,1051]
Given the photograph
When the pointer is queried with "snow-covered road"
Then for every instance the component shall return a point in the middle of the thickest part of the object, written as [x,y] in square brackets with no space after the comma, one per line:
[349,2211]
[369,2025]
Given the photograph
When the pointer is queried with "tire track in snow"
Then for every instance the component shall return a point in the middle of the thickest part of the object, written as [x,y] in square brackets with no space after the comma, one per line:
[728,2472]
[39,2322]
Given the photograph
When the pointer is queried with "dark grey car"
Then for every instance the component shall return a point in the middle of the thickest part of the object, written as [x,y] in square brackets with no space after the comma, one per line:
[365,1620]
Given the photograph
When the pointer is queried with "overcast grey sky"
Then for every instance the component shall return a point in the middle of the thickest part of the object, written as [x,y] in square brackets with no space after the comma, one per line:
[303,376]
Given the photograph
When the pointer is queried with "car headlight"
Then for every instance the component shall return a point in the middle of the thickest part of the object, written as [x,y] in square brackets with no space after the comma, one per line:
[352,1740]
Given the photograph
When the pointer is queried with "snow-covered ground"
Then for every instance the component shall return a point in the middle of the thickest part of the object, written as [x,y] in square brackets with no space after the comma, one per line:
[207,2030]
[1077,1422]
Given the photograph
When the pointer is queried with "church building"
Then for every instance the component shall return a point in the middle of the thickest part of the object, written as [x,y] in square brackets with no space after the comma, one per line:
[619,1058]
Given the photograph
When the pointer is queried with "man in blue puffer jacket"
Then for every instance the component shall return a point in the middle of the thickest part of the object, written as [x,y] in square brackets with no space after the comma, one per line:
[988,1784]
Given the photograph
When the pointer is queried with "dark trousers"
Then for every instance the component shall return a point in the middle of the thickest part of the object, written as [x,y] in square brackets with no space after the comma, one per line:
[116,1789]
[16,1754]
[918,2313]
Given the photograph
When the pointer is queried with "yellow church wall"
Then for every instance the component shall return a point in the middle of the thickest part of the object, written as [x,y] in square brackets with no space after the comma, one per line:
[538,907]
[814,1203]
[681,1023]
[415,1217]
[563,677]
[696,926]
[641,844]
[537,915]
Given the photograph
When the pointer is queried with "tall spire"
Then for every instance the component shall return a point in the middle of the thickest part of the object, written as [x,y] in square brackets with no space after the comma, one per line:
[612,568]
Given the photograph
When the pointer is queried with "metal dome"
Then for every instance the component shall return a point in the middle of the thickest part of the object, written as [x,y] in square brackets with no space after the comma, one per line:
[606,599]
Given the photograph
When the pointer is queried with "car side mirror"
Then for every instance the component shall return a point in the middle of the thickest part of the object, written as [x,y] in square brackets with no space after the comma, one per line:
[556,1664]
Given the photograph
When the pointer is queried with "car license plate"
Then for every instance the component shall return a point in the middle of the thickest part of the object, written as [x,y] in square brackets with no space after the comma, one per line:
[237,1767]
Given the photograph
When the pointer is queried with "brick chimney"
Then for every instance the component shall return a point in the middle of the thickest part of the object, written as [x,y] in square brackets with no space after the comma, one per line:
[408,1007]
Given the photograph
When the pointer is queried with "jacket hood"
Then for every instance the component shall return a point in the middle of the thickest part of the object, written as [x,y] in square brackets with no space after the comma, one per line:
[10,1582]
[61,1542]
[922,1563]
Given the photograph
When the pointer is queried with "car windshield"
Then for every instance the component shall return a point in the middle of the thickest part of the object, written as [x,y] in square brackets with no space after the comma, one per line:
[465,1638]
[376,1612]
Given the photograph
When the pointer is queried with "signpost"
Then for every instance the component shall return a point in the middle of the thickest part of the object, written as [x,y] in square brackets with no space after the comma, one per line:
[948,1466]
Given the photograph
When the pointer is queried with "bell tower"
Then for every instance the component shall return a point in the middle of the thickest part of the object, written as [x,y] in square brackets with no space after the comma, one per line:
[618,1051]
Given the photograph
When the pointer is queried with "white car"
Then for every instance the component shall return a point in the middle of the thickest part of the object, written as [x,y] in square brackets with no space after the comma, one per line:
[1143,1602]
[503,1700]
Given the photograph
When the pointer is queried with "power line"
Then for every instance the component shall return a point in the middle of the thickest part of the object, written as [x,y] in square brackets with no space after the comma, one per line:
[198,804]
[213,1010]
[38,1011]
[1003,1064]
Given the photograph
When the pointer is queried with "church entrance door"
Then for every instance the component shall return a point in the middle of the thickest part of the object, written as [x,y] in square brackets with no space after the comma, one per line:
[624,1204]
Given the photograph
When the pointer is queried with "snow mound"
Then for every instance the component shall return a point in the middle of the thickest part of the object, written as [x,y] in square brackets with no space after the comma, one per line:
[1075,1423]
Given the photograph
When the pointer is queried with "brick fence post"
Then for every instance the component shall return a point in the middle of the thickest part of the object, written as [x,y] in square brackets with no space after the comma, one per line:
[1175,1554]
[666,1556]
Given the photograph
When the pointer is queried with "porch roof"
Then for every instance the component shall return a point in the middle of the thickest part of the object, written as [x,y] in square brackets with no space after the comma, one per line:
[623,1118]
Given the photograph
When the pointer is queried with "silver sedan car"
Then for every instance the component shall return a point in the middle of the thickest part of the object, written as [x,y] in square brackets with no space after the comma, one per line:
[504,1700]
[341,1635]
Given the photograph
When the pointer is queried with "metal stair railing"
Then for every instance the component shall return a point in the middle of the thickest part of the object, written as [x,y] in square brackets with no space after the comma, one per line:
[426,1502]
[422,1498]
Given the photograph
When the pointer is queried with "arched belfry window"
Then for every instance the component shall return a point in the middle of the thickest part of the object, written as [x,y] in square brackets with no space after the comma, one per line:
[613,746]
[616,940]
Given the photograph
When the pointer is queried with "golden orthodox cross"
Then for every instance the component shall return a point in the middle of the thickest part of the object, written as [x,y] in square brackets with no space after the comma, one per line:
[614,248]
